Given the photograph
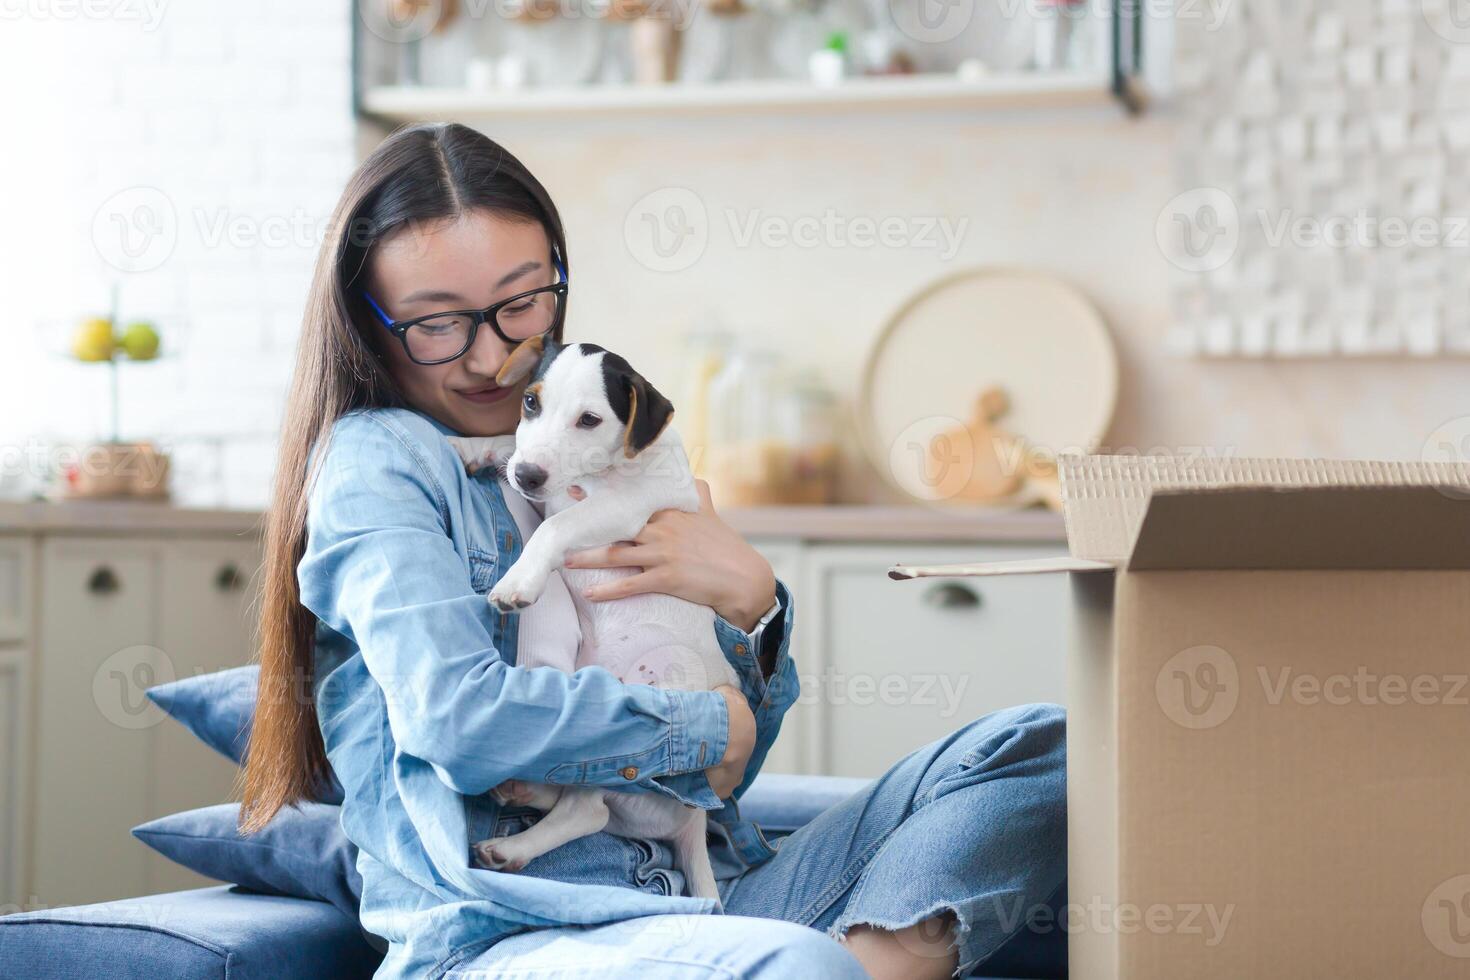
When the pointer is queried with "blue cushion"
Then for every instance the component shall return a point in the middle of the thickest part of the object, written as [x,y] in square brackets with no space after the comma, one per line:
[218,932]
[782,804]
[219,709]
[301,853]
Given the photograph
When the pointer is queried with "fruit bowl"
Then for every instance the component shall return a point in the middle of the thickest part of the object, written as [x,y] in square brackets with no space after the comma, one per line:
[113,468]
[98,339]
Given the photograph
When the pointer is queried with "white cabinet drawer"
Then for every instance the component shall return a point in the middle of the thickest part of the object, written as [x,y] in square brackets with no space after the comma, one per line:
[904,663]
[120,615]
[98,655]
[15,601]
[207,590]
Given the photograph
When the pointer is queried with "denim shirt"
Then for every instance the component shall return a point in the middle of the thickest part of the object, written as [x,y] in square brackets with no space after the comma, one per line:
[423,710]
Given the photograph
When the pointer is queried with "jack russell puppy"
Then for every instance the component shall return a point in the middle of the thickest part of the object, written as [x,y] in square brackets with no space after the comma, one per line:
[589,421]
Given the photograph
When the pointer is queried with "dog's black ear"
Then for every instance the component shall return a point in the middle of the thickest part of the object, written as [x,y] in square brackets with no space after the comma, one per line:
[525,359]
[643,409]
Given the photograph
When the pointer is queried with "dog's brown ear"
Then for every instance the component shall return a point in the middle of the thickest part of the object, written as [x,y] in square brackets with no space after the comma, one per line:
[521,362]
[642,407]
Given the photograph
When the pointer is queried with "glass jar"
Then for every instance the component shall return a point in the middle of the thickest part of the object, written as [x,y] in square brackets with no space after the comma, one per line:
[705,353]
[810,422]
[746,444]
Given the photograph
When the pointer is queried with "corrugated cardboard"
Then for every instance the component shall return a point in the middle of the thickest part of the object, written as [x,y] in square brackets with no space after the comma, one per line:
[1269,713]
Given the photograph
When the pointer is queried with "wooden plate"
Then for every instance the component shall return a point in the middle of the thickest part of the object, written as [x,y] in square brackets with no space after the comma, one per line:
[1035,336]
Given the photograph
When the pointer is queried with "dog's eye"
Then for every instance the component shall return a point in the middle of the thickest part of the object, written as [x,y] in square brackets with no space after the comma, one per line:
[588,421]
[530,403]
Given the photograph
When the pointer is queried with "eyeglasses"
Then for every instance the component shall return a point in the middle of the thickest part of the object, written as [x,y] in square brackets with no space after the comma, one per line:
[442,337]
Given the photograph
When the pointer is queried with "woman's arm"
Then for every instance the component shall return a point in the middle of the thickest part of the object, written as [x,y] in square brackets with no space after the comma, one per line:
[380,568]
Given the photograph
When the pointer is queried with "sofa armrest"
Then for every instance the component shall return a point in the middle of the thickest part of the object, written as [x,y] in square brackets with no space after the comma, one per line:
[781,804]
[209,932]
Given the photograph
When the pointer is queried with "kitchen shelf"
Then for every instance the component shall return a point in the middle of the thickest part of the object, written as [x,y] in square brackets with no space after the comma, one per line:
[416,103]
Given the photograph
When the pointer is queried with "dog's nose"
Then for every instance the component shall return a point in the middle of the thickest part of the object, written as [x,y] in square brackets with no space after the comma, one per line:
[529,476]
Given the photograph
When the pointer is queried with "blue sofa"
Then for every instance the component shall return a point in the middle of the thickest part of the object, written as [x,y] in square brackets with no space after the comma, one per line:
[232,934]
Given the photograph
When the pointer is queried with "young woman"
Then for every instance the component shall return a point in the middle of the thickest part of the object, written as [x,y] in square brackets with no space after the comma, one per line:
[382,664]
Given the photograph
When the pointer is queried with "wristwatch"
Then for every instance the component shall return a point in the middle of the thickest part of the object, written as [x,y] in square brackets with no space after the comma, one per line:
[757,632]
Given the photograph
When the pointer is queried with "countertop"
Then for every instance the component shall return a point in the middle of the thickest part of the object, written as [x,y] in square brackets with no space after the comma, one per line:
[835,523]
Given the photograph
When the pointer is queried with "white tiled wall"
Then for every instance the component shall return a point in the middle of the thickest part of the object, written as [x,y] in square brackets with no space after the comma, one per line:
[1326,146]
[229,127]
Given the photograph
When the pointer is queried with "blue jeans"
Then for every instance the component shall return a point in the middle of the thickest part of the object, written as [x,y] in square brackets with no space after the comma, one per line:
[973,825]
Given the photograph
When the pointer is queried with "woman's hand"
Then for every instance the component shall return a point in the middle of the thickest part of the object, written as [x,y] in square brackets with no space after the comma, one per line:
[693,556]
[723,778]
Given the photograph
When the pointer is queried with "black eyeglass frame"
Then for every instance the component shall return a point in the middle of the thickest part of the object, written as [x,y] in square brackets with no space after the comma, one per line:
[400,328]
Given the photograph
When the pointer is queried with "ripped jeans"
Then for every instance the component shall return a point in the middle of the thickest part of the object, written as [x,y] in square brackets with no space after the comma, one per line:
[973,825]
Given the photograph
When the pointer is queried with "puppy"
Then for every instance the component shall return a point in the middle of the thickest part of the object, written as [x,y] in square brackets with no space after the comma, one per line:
[589,421]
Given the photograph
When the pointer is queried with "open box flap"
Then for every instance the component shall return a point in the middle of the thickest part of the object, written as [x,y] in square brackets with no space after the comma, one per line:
[1341,527]
[1030,566]
[1105,497]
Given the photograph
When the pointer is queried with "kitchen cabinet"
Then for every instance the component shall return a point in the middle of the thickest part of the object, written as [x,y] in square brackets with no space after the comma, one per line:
[889,666]
[115,614]
[98,604]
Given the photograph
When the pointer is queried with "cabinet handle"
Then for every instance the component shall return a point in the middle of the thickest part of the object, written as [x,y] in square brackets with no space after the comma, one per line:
[104,581]
[229,579]
[952,595]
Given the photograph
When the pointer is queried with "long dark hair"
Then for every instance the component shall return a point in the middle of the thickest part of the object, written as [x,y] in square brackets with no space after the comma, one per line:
[421,173]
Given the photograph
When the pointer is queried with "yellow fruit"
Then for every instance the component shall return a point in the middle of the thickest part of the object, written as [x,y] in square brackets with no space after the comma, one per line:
[140,341]
[93,340]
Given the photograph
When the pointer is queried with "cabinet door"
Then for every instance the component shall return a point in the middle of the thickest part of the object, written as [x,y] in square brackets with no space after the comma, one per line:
[16,558]
[901,664]
[15,696]
[208,589]
[15,602]
[97,656]
[790,754]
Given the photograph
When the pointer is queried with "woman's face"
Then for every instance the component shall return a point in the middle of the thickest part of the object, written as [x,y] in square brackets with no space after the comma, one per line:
[465,263]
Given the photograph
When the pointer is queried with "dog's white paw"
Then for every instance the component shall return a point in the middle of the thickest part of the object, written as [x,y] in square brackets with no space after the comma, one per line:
[517,589]
[482,453]
[513,792]
[502,854]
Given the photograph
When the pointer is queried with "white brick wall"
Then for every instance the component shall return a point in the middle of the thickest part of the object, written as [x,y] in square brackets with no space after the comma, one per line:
[239,116]
[1324,145]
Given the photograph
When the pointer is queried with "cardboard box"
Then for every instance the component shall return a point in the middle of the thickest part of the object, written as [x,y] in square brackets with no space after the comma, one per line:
[1268,719]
